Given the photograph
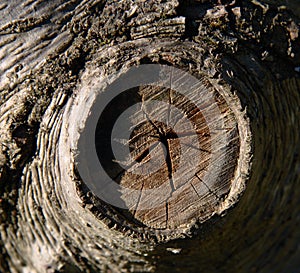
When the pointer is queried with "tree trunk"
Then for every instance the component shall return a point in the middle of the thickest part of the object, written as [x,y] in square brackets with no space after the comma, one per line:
[235,210]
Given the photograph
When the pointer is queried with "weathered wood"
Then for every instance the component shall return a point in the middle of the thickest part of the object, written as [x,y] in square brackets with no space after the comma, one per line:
[246,52]
[184,187]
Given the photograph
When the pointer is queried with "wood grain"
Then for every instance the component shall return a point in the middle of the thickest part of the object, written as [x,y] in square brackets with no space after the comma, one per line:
[245,53]
[186,195]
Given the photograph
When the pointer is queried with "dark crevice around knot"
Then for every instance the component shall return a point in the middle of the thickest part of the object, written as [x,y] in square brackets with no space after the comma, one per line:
[192,11]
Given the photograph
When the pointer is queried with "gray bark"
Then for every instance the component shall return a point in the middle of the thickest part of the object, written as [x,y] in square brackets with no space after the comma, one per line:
[49,221]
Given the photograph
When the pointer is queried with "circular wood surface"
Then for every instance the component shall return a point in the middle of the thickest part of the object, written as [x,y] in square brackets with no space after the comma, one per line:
[169,154]
[182,164]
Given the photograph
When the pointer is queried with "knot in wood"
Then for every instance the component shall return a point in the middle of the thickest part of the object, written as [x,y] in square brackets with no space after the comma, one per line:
[161,155]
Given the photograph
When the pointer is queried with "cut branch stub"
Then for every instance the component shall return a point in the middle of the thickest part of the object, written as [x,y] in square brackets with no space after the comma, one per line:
[159,149]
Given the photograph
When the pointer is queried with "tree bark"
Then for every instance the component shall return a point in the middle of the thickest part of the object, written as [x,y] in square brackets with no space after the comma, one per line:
[51,55]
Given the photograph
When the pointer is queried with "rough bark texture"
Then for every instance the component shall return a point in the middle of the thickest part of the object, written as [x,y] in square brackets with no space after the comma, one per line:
[51,50]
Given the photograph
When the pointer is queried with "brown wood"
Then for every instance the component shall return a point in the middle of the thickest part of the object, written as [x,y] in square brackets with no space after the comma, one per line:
[186,195]
[244,52]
